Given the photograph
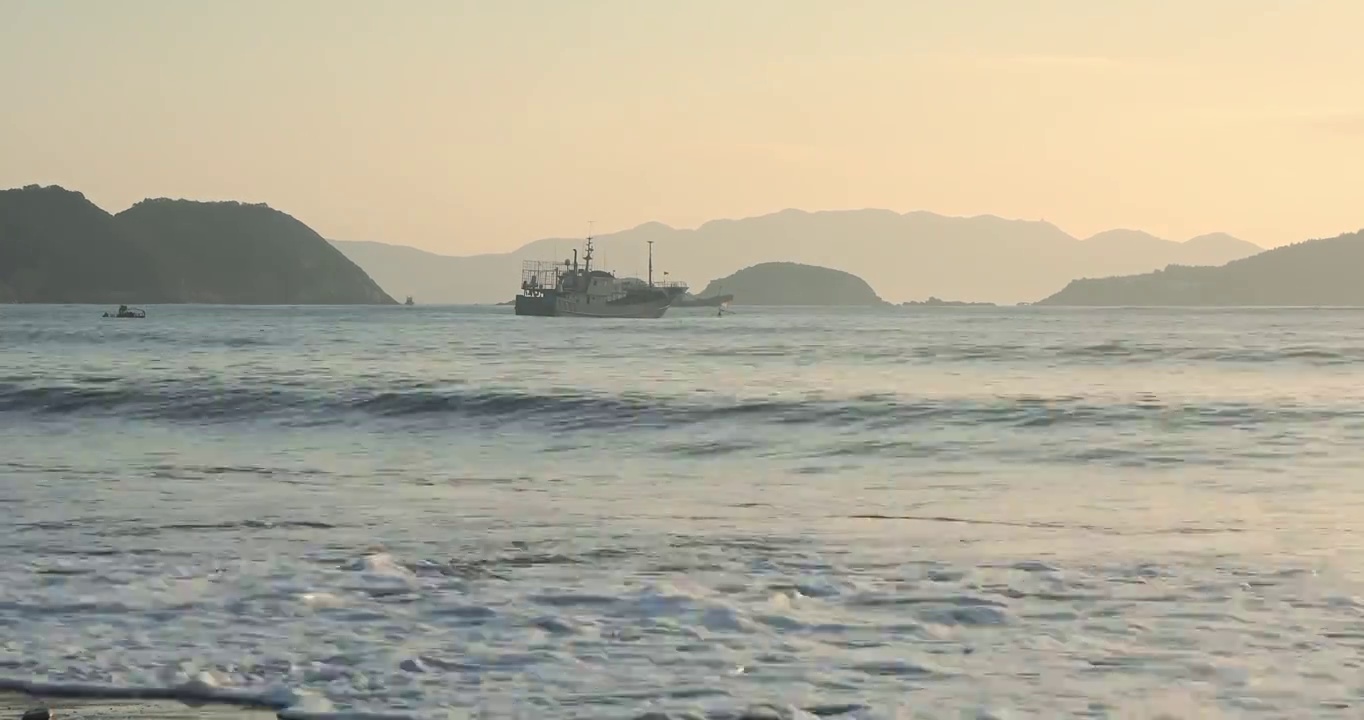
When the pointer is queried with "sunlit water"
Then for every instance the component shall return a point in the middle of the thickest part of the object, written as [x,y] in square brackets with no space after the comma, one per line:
[951,513]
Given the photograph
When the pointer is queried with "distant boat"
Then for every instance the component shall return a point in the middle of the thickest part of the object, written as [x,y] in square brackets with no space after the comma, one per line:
[552,289]
[712,301]
[409,301]
[126,312]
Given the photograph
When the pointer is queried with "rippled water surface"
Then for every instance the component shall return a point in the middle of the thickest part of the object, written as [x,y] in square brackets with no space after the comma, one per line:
[858,514]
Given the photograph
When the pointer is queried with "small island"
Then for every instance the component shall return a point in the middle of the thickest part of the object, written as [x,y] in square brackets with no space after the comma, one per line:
[58,247]
[936,302]
[785,283]
[1313,273]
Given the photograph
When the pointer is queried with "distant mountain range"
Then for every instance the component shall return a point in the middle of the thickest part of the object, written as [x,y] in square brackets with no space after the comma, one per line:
[907,256]
[1314,273]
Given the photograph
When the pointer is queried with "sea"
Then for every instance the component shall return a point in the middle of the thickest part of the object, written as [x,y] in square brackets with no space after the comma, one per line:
[453,512]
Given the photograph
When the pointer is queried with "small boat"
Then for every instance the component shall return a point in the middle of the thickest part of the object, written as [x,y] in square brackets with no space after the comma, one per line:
[689,300]
[127,312]
[409,301]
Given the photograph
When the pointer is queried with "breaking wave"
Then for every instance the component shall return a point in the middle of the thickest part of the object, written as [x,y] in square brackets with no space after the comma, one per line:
[1071,354]
[583,410]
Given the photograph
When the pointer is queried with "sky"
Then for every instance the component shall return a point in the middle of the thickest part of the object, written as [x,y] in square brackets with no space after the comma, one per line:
[465,127]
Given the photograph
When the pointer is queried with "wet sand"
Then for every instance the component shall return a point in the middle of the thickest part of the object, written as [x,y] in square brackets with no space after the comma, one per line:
[13,705]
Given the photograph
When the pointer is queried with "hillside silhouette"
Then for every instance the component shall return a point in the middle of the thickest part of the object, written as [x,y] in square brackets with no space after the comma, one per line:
[58,247]
[1313,273]
[784,283]
[438,279]
[236,253]
[905,256]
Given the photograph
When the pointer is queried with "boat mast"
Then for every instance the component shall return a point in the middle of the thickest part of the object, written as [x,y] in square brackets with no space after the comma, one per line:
[587,257]
[651,263]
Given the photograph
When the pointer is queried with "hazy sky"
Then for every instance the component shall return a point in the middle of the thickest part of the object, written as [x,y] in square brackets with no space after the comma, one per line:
[463,126]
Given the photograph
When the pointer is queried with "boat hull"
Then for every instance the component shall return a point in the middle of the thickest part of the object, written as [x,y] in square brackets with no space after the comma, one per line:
[647,309]
[554,306]
[535,306]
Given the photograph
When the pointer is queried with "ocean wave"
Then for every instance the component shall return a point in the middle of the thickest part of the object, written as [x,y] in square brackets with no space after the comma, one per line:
[1113,353]
[290,705]
[203,688]
[570,410]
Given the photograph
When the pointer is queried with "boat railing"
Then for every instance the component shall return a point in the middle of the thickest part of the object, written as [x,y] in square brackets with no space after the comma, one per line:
[540,275]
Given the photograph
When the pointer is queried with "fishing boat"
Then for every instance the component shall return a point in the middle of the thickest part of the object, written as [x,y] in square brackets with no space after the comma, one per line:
[126,312]
[571,289]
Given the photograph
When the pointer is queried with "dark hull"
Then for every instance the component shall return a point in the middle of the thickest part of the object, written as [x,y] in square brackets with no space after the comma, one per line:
[651,308]
[541,306]
[552,305]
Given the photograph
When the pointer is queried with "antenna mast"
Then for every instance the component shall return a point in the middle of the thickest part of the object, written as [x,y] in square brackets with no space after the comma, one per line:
[651,263]
[587,257]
